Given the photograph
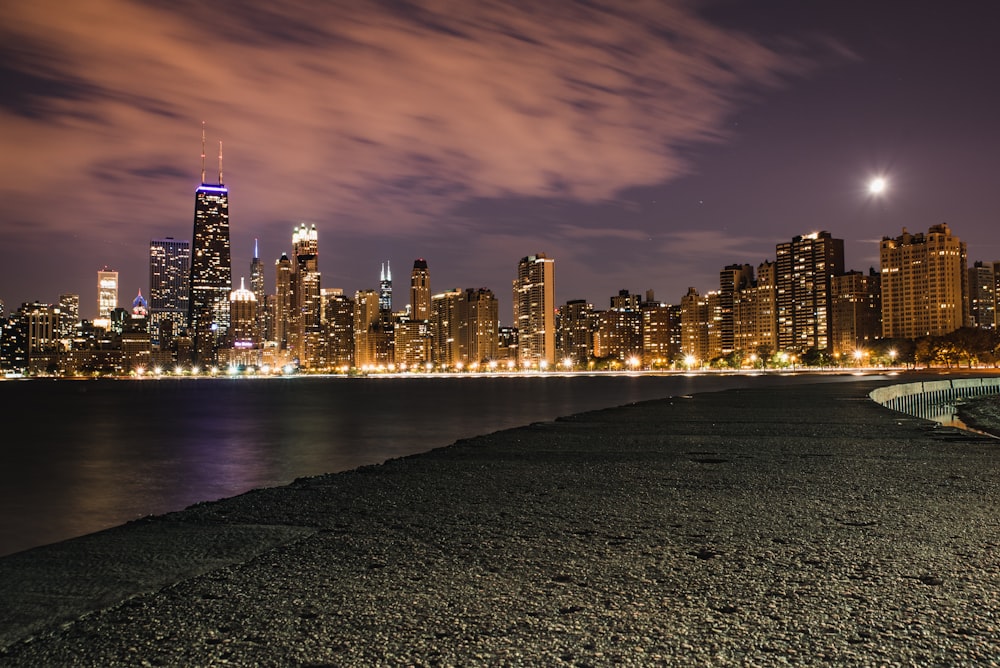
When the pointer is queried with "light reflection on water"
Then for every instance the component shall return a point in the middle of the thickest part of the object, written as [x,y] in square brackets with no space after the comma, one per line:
[100,453]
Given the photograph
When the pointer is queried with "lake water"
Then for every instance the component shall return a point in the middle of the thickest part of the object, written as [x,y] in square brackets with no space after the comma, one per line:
[81,456]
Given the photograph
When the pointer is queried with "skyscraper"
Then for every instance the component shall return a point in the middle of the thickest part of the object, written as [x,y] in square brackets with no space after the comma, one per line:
[534,310]
[211,266]
[257,287]
[304,330]
[169,280]
[420,291]
[385,289]
[804,271]
[107,292]
[924,283]
[282,314]
[982,295]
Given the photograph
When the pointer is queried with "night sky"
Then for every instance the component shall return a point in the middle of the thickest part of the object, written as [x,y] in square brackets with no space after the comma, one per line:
[642,145]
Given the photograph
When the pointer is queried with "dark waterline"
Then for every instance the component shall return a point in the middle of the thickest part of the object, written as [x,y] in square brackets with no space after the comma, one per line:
[99,453]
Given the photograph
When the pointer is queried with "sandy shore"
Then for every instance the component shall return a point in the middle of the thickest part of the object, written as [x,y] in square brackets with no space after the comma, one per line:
[799,526]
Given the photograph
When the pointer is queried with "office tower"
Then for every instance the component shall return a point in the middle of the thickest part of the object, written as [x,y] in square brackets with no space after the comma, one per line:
[804,269]
[211,266]
[857,311]
[283,311]
[982,295]
[385,289]
[107,292]
[534,310]
[445,323]
[257,288]
[69,315]
[169,288]
[478,326]
[420,291]
[755,323]
[732,279]
[367,329]
[694,328]
[304,323]
[924,283]
[576,332]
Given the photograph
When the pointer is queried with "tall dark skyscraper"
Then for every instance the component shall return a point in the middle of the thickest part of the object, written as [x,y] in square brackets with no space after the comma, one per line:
[420,291]
[805,268]
[169,289]
[385,289]
[211,266]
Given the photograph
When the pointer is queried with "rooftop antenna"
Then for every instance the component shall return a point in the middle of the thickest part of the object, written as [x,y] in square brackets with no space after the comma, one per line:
[255,253]
[203,151]
[220,162]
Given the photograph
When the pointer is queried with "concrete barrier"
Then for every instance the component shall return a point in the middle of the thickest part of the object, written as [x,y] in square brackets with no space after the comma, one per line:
[933,400]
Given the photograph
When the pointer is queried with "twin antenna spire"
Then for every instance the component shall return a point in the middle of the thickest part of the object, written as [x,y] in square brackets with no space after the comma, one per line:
[203,155]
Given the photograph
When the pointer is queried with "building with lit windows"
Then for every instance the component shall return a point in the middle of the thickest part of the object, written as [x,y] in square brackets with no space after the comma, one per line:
[107,292]
[385,289]
[369,339]
[445,325]
[534,310]
[305,315]
[338,328]
[576,332]
[733,279]
[69,315]
[694,327]
[282,312]
[857,311]
[479,326]
[924,283]
[804,271]
[660,331]
[755,322]
[211,279]
[169,288]
[420,291]
[982,295]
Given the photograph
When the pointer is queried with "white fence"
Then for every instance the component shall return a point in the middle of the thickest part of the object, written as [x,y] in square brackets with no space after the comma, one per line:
[935,399]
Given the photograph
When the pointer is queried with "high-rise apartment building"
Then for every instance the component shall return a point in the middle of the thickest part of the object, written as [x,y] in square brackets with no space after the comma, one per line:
[420,291]
[982,295]
[338,328]
[857,311]
[755,323]
[169,288]
[446,320]
[576,332]
[283,310]
[478,326]
[304,324]
[732,279]
[694,327]
[534,310]
[211,266]
[924,283]
[804,269]
[367,330]
[107,292]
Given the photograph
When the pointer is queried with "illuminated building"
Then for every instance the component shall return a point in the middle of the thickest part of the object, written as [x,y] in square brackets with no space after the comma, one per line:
[534,310]
[412,343]
[257,287]
[618,334]
[107,292]
[507,340]
[367,328]
[211,266]
[478,326]
[385,289]
[576,331]
[304,322]
[857,311]
[660,333]
[420,291]
[282,312]
[244,349]
[982,295]
[445,323]
[755,323]
[732,279]
[69,315]
[169,288]
[694,326]
[338,327]
[924,283]
[804,271]
[40,327]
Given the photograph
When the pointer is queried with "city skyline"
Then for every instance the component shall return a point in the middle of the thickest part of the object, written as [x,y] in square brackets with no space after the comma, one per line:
[642,149]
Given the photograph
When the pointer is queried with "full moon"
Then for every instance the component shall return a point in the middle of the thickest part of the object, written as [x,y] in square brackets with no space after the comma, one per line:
[876,186]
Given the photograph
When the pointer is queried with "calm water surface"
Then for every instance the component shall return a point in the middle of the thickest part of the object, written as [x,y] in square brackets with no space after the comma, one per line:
[81,456]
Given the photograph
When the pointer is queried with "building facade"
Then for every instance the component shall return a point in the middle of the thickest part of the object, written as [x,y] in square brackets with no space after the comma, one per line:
[534,310]
[804,271]
[169,288]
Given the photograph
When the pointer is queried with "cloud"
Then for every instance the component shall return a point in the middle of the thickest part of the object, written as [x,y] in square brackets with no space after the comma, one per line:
[362,112]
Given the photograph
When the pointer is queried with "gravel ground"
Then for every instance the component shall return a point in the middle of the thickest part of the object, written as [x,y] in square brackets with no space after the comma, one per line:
[982,413]
[801,526]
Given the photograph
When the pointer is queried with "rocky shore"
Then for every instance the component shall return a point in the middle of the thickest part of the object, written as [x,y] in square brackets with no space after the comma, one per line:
[801,526]
[982,413]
